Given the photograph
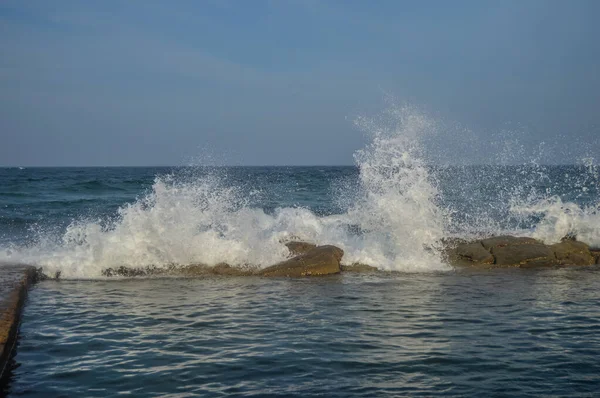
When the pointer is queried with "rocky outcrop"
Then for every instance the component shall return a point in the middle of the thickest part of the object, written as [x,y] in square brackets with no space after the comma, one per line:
[470,253]
[297,247]
[321,260]
[503,241]
[129,272]
[221,269]
[520,252]
[359,268]
[523,255]
[570,252]
[312,261]
[596,254]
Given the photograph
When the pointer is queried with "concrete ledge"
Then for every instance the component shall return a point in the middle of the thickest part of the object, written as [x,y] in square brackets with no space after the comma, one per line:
[15,281]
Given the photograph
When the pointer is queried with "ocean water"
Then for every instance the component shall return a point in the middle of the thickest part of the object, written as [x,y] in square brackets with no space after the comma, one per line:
[419,327]
[505,333]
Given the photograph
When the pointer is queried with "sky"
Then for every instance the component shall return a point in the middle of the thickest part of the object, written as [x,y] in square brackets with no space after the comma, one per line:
[135,83]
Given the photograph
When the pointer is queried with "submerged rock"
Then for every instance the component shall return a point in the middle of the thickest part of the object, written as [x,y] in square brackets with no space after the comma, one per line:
[321,260]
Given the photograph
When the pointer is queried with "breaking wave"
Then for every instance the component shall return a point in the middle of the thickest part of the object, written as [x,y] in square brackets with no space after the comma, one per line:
[395,219]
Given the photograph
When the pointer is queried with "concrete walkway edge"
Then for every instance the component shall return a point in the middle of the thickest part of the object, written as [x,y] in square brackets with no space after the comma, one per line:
[15,281]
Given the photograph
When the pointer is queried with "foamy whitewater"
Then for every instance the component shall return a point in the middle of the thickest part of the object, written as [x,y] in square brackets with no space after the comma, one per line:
[395,214]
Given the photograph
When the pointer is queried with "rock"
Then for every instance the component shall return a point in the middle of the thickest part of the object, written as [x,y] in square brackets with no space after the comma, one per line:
[322,260]
[315,260]
[502,241]
[132,272]
[524,255]
[570,252]
[470,254]
[359,268]
[596,254]
[297,247]
[221,269]
[175,270]
[40,275]
[511,251]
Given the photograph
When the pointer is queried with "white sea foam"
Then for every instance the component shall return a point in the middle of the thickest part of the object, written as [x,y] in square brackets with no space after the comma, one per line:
[393,219]
[203,221]
[557,218]
[560,219]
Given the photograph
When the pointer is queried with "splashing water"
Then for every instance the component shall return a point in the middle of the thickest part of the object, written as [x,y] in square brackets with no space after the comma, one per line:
[559,218]
[398,207]
[394,223]
[394,215]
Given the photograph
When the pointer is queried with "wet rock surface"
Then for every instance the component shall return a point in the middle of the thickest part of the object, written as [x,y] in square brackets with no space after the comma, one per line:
[298,247]
[359,268]
[524,255]
[471,253]
[570,252]
[313,261]
[596,255]
[503,241]
[322,260]
[191,270]
[520,252]
[14,283]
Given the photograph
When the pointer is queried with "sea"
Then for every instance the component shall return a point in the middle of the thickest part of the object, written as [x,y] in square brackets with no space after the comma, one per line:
[419,327]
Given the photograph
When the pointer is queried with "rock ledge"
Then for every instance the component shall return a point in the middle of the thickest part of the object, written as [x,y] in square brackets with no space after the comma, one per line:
[519,252]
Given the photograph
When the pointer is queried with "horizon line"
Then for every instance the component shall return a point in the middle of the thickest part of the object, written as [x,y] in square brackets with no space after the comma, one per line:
[266,165]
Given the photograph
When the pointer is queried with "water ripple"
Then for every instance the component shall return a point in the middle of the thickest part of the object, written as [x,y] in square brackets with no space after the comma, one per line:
[476,334]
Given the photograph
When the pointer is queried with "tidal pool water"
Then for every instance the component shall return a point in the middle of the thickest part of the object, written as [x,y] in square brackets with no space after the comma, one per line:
[487,333]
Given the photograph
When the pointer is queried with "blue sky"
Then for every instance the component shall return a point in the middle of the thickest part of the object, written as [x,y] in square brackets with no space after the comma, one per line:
[279,82]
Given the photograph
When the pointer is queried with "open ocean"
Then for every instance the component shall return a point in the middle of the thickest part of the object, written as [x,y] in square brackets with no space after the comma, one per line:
[421,328]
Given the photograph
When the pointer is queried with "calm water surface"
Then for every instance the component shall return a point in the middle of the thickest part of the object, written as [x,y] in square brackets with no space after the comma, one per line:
[501,333]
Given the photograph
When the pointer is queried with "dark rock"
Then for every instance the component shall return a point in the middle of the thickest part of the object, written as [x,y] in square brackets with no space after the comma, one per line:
[511,251]
[322,260]
[178,270]
[596,254]
[570,252]
[221,269]
[133,272]
[297,247]
[359,268]
[15,281]
[466,254]
[524,255]
[502,241]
